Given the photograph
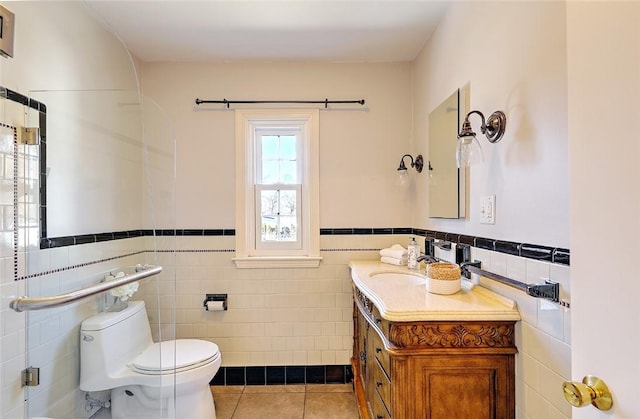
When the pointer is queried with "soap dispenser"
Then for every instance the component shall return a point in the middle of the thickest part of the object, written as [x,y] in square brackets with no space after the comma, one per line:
[413,250]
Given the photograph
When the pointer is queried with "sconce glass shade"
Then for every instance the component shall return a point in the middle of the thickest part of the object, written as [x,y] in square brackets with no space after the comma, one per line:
[417,164]
[468,151]
[403,176]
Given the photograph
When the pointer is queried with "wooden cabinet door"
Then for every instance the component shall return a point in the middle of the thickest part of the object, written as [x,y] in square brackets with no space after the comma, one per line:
[463,386]
[362,332]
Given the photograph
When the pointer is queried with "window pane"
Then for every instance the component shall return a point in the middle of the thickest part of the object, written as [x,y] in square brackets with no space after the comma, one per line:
[288,228]
[278,221]
[287,202]
[270,203]
[288,147]
[270,172]
[288,172]
[278,159]
[269,147]
[269,228]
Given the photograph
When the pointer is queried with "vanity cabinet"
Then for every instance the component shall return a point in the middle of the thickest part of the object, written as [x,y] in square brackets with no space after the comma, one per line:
[432,369]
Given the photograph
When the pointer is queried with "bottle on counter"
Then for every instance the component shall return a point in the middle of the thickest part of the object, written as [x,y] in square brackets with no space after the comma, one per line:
[413,250]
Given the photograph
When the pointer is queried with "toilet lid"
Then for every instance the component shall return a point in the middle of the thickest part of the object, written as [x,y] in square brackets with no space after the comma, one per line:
[175,356]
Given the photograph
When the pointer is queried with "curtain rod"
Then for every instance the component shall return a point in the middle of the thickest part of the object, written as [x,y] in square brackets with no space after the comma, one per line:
[229,102]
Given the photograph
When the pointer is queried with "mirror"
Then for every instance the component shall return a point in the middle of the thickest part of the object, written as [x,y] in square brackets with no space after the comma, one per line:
[446,181]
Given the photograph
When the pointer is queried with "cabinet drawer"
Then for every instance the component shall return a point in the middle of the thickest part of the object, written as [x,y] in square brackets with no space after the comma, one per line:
[382,384]
[380,353]
[379,411]
[383,324]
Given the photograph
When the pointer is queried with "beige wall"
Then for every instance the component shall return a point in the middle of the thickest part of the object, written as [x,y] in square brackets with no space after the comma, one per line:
[513,55]
[360,147]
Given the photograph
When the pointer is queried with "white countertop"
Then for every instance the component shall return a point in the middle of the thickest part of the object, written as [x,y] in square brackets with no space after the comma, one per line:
[408,300]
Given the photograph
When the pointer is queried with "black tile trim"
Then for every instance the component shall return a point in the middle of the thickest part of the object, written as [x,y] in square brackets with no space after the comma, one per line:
[403,230]
[341,231]
[509,248]
[276,375]
[256,376]
[51,242]
[348,231]
[419,232]
[484,243]
[281,374]
[526,250]
[363,231]
[561,256]
[383,231]
[470,240]
[530,251]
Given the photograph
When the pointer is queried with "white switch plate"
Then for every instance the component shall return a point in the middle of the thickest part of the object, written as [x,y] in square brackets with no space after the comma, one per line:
[488,209]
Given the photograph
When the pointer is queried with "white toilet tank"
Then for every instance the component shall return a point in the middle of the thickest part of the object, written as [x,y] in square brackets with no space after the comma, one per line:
[110,340]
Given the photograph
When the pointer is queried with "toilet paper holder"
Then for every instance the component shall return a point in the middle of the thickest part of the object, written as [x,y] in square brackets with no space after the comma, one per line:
[215,297]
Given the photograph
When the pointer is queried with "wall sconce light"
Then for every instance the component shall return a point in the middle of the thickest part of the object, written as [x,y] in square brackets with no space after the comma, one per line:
[417,164]
[468,150]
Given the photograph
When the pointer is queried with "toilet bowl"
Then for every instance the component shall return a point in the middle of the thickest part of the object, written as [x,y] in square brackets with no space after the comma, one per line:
[167,379]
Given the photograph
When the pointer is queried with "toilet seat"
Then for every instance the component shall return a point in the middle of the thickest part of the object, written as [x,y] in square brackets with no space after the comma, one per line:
[175,356]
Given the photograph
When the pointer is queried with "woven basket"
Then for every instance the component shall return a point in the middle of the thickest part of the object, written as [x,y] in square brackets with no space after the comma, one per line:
[443,270]
[443,278]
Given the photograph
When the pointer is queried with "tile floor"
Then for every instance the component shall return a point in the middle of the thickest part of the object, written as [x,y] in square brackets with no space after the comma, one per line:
[335,401]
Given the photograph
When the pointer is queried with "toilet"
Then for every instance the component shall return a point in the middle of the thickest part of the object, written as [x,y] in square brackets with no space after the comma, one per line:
[167,379]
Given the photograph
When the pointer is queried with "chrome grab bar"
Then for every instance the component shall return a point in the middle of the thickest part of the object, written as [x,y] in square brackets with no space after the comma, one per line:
[40,303]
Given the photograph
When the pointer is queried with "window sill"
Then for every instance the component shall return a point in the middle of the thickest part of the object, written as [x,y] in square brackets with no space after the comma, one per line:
[261,262]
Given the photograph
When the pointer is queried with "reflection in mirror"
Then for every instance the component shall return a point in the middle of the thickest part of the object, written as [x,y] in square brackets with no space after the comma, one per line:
[446,181]
[93,161]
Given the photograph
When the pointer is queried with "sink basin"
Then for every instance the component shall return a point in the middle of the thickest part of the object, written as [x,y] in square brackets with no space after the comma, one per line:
[399,278]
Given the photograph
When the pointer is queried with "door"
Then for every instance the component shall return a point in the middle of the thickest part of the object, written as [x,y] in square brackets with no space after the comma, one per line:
[603,51]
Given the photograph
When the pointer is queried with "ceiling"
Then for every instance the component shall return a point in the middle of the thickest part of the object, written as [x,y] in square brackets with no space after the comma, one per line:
[270,30]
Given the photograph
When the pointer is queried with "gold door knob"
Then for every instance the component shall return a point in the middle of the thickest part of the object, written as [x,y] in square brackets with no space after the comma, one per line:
[591,390]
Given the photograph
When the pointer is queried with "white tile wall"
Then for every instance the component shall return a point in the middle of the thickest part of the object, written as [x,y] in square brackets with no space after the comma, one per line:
[52,335]
[274,316]
[543,336]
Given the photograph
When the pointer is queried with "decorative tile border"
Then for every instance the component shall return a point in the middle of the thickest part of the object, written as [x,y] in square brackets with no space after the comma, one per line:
[51,242]
[278,375]
[531,251]
[80,265]
[526,250]
[366,249]
[365,231]
[15,217]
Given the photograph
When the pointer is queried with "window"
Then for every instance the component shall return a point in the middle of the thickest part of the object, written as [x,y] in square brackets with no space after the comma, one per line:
[277,189]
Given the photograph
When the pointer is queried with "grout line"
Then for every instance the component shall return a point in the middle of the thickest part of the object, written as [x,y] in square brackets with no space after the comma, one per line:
[238,402]
[304,402]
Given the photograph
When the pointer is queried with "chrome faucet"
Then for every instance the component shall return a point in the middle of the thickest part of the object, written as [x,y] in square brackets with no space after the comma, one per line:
[427,258]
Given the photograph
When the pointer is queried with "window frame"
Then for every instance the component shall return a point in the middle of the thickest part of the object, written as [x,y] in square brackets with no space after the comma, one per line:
[249,122]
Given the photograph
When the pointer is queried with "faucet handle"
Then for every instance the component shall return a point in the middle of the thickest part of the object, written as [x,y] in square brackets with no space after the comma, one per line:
[426,258]
[464,268]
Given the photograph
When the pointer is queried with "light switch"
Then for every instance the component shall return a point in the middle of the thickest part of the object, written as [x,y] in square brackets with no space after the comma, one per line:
[488,209]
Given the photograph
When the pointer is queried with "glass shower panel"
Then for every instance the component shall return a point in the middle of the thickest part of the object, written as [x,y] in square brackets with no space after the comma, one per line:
[12,336]
[94,198]
[86,188]
[159,209]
